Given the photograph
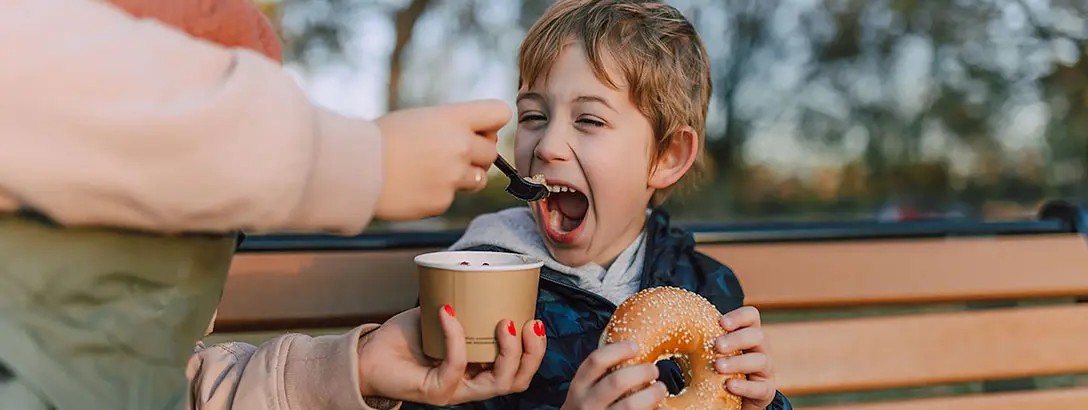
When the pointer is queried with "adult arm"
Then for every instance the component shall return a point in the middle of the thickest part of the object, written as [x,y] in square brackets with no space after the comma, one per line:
[110,120]
[292,371]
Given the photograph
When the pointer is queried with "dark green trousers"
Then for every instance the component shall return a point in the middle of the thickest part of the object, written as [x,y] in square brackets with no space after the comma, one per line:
[102,319]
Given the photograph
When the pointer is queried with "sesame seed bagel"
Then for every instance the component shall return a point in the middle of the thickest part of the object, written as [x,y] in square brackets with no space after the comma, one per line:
[673,323]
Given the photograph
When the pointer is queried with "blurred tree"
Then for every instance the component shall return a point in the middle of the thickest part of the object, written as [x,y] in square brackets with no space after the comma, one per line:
[928,103]
[404,25]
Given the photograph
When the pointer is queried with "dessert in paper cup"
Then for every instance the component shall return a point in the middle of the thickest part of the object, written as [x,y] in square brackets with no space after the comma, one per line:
[483,288]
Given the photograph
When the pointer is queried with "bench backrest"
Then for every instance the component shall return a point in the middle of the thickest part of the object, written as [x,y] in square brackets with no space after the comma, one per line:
[842,315]
[950,342]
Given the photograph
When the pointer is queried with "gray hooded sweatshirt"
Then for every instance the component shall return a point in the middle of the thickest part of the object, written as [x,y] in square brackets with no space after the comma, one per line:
[514,229]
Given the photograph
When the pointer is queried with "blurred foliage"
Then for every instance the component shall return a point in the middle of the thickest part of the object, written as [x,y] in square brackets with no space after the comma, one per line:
[821,108]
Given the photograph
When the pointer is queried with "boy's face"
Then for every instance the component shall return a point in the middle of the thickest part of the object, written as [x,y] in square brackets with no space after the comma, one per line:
[591,142]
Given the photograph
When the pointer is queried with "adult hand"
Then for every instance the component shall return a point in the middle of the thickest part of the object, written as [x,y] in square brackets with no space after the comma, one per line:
[392,364]
[431,153]
[595,386]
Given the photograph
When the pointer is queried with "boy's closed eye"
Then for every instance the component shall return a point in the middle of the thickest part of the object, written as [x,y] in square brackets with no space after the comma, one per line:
[590,121]
[532,116]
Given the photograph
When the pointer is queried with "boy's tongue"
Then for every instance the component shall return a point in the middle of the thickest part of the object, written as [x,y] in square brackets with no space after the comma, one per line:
[571,205]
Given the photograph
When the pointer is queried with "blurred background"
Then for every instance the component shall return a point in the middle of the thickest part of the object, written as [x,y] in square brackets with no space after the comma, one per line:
[822,109]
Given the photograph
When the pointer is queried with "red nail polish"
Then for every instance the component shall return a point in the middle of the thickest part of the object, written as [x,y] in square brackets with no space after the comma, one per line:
[513,330]
[448,309]
[538,328]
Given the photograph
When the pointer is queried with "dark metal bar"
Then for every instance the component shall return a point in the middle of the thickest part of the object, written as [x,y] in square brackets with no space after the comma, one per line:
[704,233]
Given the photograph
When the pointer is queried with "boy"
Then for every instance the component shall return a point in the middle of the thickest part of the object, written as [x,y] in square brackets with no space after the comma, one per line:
[612,108]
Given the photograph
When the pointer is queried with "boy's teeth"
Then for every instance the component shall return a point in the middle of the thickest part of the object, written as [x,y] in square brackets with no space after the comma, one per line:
[560,188]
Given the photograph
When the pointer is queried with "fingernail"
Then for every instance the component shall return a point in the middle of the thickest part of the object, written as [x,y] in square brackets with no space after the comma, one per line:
[732,386]
[510,328]
[720,345]
[720,365]
[728,324]
[538,328]
[448,309]
[632,346]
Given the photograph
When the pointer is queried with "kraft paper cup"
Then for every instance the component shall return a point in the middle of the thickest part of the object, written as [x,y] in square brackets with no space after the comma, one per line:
[481,296]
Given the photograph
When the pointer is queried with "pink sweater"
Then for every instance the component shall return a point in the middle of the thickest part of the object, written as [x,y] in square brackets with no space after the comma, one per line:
[108,120]
[111,121]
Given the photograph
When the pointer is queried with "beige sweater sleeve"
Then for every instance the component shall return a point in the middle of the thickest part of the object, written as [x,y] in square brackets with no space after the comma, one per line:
[108,120]
[289,372]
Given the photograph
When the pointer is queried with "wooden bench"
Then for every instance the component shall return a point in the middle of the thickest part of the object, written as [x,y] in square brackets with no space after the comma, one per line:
[859,316]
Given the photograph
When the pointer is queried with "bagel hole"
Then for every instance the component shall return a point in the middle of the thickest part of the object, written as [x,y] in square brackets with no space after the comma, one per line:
[672,374]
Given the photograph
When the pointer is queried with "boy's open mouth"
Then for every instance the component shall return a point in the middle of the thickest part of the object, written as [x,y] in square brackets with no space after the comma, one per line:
[563,213]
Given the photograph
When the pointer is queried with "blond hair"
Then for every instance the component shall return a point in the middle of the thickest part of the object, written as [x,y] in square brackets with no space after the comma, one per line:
[657,51]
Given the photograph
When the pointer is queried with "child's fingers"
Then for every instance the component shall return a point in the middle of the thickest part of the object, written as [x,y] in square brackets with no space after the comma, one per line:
[597,364]
[749,338]
[757,364]
[745,316]
[618,383]
[647,398]
[757,390]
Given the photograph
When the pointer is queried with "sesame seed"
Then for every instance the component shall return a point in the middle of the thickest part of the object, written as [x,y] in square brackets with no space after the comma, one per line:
[671,323]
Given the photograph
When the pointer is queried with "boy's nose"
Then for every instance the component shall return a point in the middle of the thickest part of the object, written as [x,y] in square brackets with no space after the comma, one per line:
[554,146]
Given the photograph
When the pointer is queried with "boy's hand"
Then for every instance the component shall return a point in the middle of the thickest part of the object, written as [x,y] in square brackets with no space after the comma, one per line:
[746,335]
[593,387]
[392,364]
[428,154]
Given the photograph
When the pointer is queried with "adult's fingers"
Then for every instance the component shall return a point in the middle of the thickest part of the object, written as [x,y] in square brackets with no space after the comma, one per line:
[534,341]
[506,364]
[745,316]
[452,368]
[620,382]
[482,152]
[598,362]
[647,398]
[483,116]
[473,180]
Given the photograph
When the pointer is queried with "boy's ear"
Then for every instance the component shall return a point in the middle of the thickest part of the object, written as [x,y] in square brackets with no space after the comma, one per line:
[676,159]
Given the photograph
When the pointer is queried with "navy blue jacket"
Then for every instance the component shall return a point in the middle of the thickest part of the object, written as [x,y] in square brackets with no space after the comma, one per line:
[574,318]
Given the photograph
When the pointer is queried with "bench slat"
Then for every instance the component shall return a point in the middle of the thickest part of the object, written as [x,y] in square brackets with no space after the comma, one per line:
[338,288]
[272,291]
[1075,398]
[889,352]
[908,271]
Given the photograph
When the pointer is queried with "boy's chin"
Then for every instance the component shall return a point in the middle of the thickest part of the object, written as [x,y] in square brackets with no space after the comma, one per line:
[572,254]
[569,256]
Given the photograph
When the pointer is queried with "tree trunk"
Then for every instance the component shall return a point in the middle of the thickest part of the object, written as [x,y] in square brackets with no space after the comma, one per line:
[405,22]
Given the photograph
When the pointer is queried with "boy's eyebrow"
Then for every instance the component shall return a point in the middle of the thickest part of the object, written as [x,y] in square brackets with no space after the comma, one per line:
[580,99]
[530,96]
[594,98]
